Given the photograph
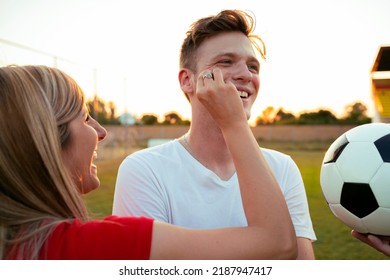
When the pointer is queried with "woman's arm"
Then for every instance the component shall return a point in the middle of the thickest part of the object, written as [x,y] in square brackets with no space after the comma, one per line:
[270,233]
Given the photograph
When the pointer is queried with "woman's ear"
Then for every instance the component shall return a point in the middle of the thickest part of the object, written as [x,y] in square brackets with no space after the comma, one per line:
[186,79]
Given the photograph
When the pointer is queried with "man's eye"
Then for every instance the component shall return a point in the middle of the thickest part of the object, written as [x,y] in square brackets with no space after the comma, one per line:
[226,61]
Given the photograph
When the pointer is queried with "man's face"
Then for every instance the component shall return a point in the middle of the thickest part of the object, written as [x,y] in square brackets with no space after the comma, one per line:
[233,53]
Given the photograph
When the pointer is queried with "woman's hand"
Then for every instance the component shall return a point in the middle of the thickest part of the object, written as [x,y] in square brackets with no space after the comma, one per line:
[221,99]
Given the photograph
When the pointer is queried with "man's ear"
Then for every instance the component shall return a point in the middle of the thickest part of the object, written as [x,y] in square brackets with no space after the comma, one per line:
[186,79]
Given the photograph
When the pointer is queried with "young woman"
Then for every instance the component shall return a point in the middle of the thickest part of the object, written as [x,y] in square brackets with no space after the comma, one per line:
[48,143]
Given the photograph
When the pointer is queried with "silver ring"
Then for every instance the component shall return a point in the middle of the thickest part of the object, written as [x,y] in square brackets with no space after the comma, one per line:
[208,76]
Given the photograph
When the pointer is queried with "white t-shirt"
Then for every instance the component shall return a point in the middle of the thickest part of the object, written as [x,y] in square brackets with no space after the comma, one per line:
[166,183]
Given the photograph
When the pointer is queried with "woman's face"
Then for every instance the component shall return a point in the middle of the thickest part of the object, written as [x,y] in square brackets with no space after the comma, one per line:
[81,151]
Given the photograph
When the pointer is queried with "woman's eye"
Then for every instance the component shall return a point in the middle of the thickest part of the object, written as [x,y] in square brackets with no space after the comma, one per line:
[87,118]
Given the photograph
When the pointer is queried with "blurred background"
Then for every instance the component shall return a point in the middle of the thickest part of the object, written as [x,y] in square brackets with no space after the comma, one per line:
[327,70]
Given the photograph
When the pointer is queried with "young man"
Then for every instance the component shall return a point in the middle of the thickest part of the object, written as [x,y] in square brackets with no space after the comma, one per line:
[192,181]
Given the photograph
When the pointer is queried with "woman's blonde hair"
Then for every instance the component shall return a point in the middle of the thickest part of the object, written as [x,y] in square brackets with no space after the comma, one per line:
[36,191]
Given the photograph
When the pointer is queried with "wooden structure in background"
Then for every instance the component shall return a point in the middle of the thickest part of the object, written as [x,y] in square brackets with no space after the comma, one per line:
[380,80]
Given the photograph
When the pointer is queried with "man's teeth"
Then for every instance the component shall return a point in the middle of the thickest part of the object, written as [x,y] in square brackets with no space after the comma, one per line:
[243,94]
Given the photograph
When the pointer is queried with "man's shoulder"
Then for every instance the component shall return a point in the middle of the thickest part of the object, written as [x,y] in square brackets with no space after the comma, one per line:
[274,154]
[282,165]
[163,148]
[162,152]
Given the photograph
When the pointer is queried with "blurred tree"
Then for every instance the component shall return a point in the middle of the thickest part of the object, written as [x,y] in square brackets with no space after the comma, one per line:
[149,119]
[267,116]
[102,112]
[283,117]
[356,113]
[320,117]
[111,106]
[173,118]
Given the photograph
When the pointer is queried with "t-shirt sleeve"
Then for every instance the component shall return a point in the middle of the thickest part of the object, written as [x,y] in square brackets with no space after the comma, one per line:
[291,183]
[297,203]
[114,238]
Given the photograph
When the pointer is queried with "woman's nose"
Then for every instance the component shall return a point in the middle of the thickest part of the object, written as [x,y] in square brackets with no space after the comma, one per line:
[101,131]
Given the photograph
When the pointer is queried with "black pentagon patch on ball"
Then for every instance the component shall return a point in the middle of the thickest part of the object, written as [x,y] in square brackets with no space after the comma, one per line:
[383,147]
[337,148]
[358,199]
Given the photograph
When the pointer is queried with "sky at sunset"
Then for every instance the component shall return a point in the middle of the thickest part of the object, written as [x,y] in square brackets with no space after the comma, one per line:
[319,53]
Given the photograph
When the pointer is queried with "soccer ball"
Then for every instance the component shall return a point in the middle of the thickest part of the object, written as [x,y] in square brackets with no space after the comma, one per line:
[355,178]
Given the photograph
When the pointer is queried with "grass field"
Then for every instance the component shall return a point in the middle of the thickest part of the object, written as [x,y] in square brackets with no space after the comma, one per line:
[334,241]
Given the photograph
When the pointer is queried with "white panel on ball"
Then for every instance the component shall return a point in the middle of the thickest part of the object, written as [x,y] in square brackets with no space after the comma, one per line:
[348,218]
[358,162]
[330,177]
[378,222]
[380,185]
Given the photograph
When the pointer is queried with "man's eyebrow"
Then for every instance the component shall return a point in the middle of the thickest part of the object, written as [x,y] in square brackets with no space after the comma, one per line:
[230,54]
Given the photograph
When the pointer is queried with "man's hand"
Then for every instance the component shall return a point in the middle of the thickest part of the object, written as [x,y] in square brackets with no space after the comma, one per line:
[380,243]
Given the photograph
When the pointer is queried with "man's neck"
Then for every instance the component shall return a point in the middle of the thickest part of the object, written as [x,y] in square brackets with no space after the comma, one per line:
[209,148]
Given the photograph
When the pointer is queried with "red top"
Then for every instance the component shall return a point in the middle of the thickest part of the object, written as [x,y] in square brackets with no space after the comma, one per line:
[114,238]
